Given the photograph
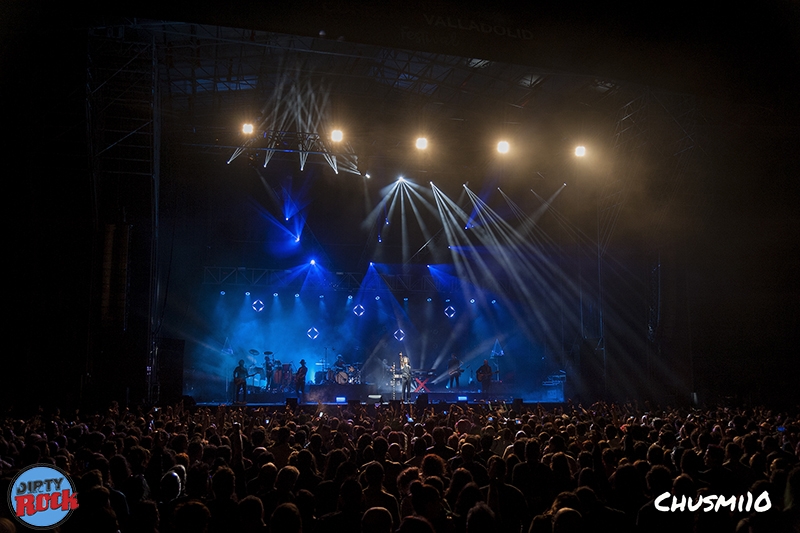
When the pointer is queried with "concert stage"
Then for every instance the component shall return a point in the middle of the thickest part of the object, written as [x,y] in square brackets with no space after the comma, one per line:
[367,393]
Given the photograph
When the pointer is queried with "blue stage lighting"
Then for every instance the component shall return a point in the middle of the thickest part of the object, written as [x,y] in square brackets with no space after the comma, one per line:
[275,294]
[430,299]
[222,293]
[400,335]
[321,296]
[472,301]
[358,310]
[349,296]
[377,298]
[494,302]
[312,333]
[462,398]
[405,299]
[297,295]
[258,306]
[247,293]
[450,311]
[313,262]
[341,399]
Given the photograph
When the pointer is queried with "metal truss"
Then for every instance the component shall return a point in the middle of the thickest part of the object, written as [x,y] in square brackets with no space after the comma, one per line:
[271,279]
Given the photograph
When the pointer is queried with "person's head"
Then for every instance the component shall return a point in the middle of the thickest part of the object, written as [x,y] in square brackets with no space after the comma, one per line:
[377,520]
[286,519]
[241,362]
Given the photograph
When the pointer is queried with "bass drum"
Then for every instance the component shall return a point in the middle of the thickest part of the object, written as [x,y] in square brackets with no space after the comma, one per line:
[342,377]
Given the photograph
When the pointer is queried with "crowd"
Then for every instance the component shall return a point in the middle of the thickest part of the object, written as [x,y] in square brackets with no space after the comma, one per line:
[396,468]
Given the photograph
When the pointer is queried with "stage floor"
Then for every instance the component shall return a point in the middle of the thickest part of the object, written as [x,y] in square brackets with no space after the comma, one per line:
[365,393]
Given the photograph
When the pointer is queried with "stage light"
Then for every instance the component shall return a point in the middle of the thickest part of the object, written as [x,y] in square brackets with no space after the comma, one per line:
[405,299]
[247,129]
[258,306]
[341,399]
[222,293]
[449,311]
[494,302]
[297,239]
[321,296]
[400,335]
[313,262]
[580,151]
[430,299]
[377,298]
[297,295]
[275,294]
[358,310]
[337,136]
[472,301]
[400,179]
[312,333]
[422,143]
[462,399]
[367,175]
[247,293]
[503,147]
[349,296]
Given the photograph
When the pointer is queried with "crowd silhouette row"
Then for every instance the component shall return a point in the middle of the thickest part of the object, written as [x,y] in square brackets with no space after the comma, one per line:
[396,468]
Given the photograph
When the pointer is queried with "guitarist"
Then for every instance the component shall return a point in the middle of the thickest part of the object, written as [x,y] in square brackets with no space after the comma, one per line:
[240,382]
[484,375]
[455,370]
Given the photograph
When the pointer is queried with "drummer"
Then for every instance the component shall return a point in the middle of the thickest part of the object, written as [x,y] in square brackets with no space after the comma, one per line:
[339,365]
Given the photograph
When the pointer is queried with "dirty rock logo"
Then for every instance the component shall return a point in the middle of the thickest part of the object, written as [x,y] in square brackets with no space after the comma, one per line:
[42,496]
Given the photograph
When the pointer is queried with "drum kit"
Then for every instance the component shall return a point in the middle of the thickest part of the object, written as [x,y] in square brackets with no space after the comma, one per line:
[348,375]
[274,375]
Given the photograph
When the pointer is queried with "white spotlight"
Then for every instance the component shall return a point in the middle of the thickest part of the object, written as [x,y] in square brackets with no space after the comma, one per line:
[422,143]
[247,129]
[503,147]
[337,136]
[580,151]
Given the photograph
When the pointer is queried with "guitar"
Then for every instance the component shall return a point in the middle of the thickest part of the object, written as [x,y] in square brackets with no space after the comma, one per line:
[485,375]
[455,372]
[239,380]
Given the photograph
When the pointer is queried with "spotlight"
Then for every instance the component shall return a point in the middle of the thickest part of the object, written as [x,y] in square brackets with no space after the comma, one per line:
[297,239]
[312,333]
[275,294]
[580,151]
[337,136]
[358,310]
[494,302]
[449,311]
[400,179]
[503,147]
[400,335]
[321,296]
[422,143]
[472,301]
[247,129]
[405,299]
[313,261]
[297,295]
[258,306]
[430,299]
[377,298]
[247,293]
[349,296]
[367,175]
[222,293]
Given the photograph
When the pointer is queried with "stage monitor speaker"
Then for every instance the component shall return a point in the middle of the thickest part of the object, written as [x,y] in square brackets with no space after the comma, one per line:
[291,403]
[422,401]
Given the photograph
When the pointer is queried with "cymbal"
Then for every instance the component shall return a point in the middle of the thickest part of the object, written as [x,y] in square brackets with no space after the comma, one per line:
[253,352]
[267,353]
